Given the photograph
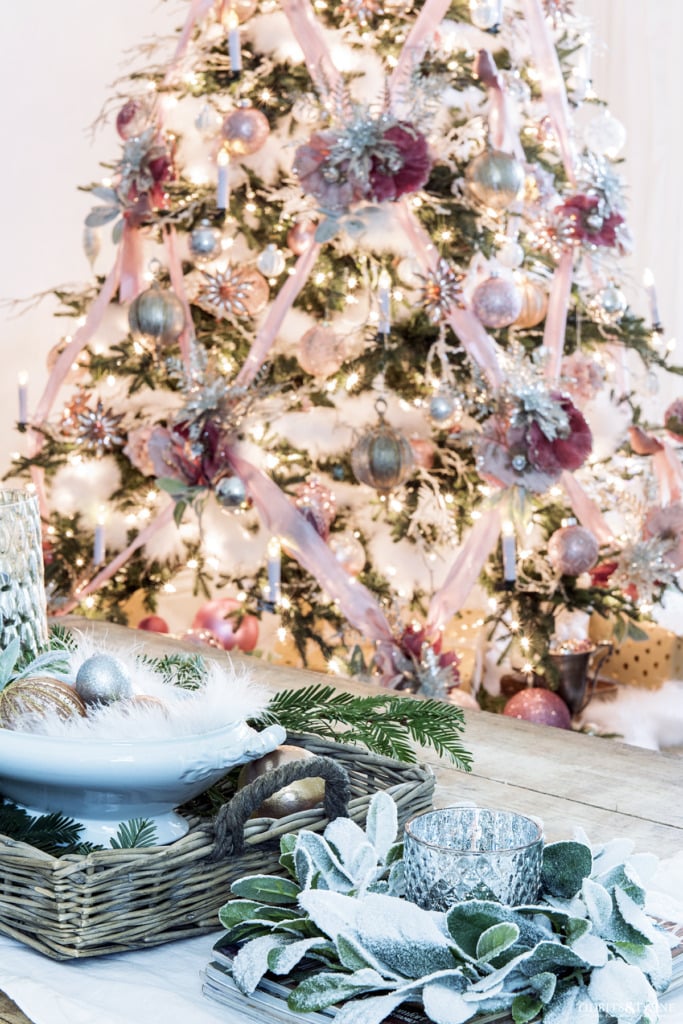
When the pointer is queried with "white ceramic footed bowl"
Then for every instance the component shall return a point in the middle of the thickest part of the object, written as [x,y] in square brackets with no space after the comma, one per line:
[102,784]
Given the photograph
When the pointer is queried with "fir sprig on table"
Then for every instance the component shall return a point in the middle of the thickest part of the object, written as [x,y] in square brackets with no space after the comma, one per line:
[385,723]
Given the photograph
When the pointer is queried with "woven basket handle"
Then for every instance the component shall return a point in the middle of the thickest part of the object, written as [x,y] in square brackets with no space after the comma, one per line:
[230,820]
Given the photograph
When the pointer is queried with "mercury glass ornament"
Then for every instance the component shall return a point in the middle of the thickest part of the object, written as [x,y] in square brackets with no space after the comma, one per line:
[534,303]
[23,614]
[271,261]
[300,795]
[510,254]
[205,242]
[134,118]
[497,302]
[495,179]
[541,706]
[102,679]
[245,131]
[382,458]
[157,315]
[320,352]
[306,109]
[572,550]
[300,236]
[486,14]
[231,493]
[208,122]
[605,135]
[609,305]
[348,551]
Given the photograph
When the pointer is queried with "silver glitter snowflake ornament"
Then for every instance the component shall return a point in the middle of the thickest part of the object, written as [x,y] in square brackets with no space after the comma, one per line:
[98,429]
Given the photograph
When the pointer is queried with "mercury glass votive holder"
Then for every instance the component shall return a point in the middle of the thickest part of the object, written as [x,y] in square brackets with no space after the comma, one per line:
[461,853]
[23,614]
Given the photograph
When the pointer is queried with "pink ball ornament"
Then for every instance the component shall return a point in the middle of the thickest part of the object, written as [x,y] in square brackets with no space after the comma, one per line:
[348,551]
[540,706]
[300,236]
[202,638]
[224,618]
[320,352]
[673,420]
[245,131]
[497,302]
[573,550]
[133,118]
[317,504]
[153,624]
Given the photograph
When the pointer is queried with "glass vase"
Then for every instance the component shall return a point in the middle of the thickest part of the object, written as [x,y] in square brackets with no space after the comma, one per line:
[23,613]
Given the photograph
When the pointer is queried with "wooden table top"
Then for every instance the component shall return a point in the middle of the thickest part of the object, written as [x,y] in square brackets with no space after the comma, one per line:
[565,778]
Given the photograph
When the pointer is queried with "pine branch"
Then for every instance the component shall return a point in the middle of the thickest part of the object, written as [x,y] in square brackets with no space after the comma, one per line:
[134,833]
[385,724]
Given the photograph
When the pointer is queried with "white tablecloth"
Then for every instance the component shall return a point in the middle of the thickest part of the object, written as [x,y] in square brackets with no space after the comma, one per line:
[163,985]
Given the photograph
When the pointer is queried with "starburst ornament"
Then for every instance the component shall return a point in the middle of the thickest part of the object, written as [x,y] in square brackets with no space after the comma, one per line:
[359,10]
[440,292]
[234,292]
[98,429]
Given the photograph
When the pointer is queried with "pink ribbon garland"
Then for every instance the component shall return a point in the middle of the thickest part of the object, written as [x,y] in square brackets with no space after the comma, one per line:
[503,134]
[281,305]
[198,10]
[587,512]
[464,573]
[175,269]
[556,317]
[302,541]
[479,346]
[163,519]
[552,82]
[669,473]
[424,26]
[308,35]
[132,269]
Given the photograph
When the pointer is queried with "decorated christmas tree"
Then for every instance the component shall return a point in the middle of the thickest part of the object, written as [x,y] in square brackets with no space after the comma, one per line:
[361,363]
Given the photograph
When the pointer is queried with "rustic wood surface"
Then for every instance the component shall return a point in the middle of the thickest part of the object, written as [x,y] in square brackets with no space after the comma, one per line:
[567,779]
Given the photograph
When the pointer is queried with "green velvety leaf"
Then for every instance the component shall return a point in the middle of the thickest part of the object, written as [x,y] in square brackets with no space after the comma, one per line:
[236,911]
[444,1003]
[327,988]
[101,215]
[266,889]
[326,865]
[565,865]
[382,824]
[251,962]
[372,1010]
[467,921]
[525,1008]
[285,958]
[544,985]
[550,956]
[496,940]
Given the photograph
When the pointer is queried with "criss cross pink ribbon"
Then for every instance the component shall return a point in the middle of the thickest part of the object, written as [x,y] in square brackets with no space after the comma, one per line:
[310,38]
[425,25]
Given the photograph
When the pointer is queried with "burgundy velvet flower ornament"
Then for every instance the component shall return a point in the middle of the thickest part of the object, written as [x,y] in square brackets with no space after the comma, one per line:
[417,663]
[568,450]
[373,159]
[585,220]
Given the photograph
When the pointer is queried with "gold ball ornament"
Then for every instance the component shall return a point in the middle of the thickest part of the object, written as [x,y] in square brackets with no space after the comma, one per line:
[301,236]
[245,131]
[36,697]
[382,457]
[534,304]
[241,9]
[495,179]
[157,316]
[297,796]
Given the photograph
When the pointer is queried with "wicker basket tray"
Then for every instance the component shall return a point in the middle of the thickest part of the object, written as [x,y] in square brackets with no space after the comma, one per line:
[110,901]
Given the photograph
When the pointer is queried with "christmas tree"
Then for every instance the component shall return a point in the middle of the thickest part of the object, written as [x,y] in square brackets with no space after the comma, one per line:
[360,362]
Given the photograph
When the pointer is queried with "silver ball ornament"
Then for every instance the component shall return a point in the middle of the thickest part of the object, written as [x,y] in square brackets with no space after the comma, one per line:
[442,408]
[102,679]
[497,302]
[573,550]
[609,304]
[157,316]
[485,14]
[382,458]
[495,179]
[231,493]
[205,242]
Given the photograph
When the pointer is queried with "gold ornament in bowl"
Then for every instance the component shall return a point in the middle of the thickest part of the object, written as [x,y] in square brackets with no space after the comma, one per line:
[300,795]
[36,697]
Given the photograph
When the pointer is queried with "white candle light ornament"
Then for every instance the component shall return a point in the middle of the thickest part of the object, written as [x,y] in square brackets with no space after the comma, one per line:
[234,44]
[649,284]
[384,302]
[509,552]
[274,567]
[99,541]
[22,380]
[223,185]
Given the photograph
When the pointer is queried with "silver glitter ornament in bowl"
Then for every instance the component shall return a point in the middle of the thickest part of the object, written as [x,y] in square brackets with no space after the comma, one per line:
[382,457]
[231,493]
[102,679]
[205,242]
[495,179]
